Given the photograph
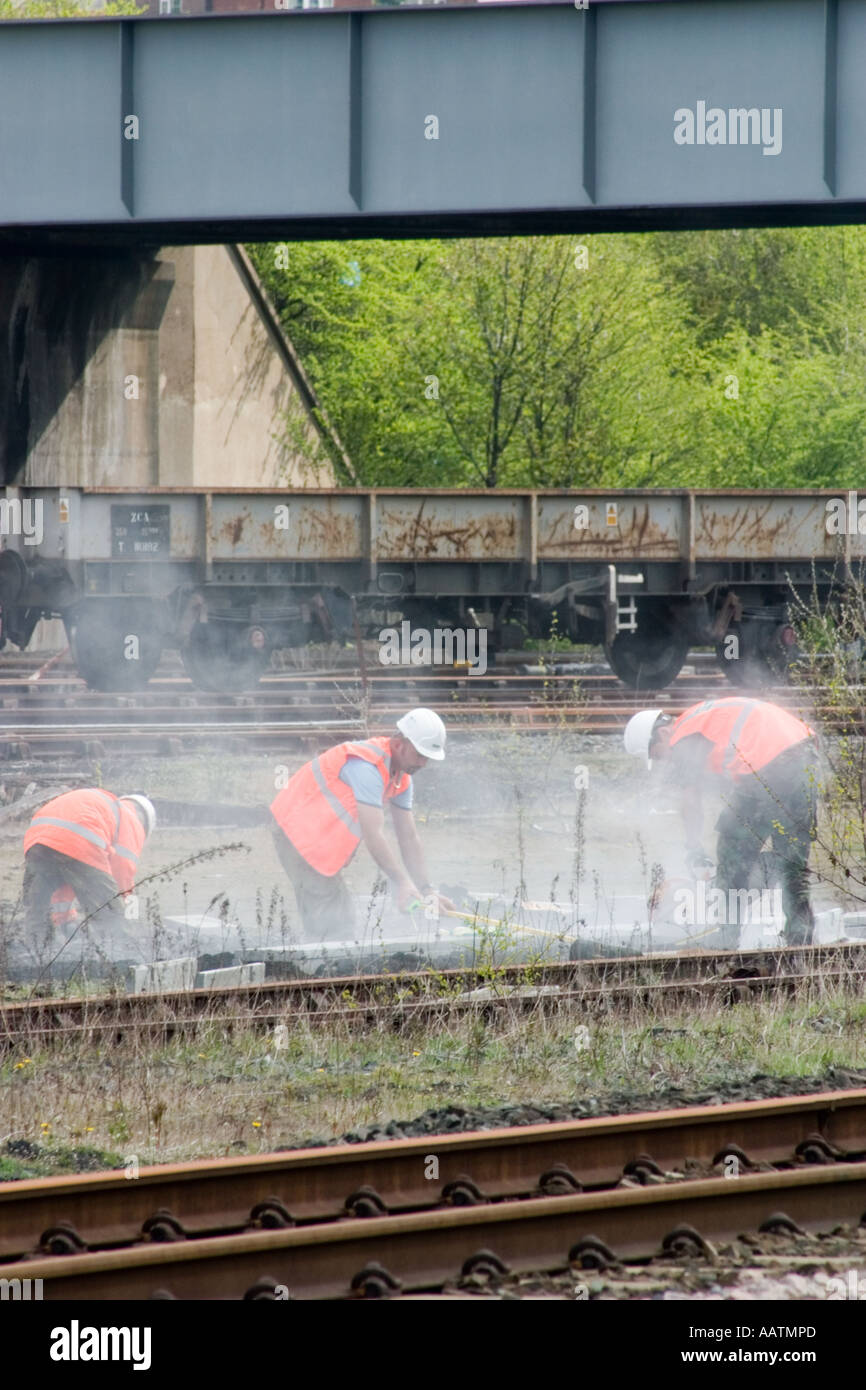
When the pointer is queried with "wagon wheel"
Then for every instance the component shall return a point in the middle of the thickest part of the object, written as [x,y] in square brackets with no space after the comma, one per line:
[116,645]
[225,656]
[648,660]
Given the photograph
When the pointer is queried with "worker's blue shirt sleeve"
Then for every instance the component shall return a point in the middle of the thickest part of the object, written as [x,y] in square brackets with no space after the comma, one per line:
[366,783]
[404,800]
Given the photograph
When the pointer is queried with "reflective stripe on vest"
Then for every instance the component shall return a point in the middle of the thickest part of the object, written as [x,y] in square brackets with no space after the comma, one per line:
[318,813]
[335,804]
[738,747]
[114,847]
[124,853]
[114,803]
[89,835]
[731,747]
[689,715]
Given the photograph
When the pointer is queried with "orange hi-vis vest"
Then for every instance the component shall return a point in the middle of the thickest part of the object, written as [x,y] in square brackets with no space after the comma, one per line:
[319,813]
[746,734]
[95,828]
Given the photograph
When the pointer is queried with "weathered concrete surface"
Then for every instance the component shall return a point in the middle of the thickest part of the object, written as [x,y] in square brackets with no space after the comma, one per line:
[250,974]
[163,976]
[141,371]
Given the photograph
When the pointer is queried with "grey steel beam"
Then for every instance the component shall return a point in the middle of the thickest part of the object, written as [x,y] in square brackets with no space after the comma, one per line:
[541,117]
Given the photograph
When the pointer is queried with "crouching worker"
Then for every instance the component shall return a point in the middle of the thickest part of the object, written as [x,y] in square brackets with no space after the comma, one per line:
[336,801]
[82,847]
[763,761]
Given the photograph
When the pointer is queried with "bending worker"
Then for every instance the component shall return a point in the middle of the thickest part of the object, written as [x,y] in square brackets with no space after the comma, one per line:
[338,800]
[764,760]
[84,846]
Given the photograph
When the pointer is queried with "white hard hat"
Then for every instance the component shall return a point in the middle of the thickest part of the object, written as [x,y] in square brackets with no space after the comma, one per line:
[639,731]
[147,807]
[425,731]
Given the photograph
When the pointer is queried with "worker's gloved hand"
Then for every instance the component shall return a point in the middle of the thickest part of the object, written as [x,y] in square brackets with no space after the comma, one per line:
[408,895]
[699,863]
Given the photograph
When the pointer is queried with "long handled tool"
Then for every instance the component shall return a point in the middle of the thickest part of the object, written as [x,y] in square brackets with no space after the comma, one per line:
[473,917]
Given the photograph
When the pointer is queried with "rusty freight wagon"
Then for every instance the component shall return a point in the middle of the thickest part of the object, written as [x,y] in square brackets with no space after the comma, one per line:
[225,576]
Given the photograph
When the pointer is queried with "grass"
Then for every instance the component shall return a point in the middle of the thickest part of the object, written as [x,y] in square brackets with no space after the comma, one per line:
[243,1089]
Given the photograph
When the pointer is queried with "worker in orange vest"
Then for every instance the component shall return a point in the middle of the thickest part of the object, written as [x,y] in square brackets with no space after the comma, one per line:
[336,801]
[82,848]
[764,759]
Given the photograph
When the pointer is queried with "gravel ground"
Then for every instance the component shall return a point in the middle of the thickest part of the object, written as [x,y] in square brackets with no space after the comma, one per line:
[454,1119]
[751,1269]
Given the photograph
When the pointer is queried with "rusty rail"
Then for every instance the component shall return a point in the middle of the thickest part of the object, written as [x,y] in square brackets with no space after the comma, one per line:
[635,981]
[369,1217]
[170,716]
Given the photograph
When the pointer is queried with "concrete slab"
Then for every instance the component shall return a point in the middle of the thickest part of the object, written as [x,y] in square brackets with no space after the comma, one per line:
[252,973]
[854,924]
[829,926]
[163,976]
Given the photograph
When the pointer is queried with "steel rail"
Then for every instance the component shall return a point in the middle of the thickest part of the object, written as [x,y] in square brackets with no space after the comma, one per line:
[546,1000]
[312,994]
[424,1248]
[601,980]
[195,1201]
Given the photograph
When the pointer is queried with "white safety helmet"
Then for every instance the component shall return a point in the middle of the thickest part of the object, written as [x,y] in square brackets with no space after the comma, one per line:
[639,731]
[425,731]
[146,806]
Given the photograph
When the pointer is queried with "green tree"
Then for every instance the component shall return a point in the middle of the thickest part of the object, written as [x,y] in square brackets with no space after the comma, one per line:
[710,358]
[67,9]
[489,362]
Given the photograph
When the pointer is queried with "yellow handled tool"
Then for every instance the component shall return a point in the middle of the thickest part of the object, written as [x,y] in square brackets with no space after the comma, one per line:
[509,926]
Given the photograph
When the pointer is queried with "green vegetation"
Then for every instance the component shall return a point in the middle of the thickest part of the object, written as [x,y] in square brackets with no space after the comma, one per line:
[234,1088]
[67,9]
[712,359]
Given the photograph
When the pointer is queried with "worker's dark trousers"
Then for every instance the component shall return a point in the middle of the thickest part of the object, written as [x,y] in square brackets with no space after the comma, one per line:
[324,902]
[46,870]
[778,802]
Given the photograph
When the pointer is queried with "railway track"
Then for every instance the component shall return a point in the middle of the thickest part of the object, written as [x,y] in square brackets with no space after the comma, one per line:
[59,715]
[374,1219]
[639,982]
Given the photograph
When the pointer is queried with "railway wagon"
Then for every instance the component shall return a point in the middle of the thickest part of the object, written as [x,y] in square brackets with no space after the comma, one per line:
[226,576]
